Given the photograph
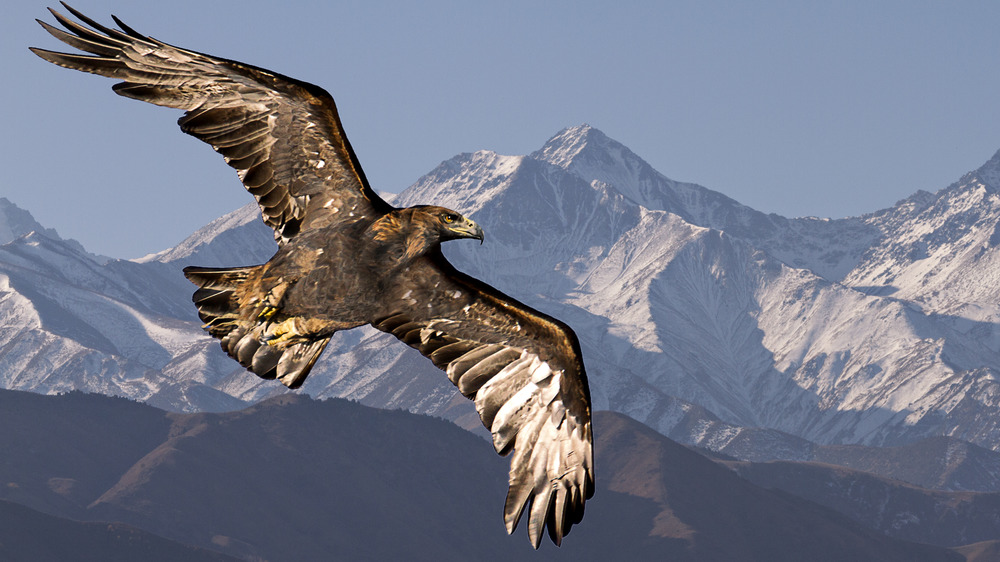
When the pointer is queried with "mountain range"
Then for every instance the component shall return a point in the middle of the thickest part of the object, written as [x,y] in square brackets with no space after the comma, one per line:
[750,334]
[292,478]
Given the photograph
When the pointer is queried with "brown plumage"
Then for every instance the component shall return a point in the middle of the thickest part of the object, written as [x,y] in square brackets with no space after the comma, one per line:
[347,258]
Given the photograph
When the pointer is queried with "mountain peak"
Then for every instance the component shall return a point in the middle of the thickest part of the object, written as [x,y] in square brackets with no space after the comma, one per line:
[563,148]
[16,222]
[989,173]
[591,155]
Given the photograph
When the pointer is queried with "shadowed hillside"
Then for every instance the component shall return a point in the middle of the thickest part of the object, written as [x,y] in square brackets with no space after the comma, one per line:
[32,536]
[297,479]
[895,508]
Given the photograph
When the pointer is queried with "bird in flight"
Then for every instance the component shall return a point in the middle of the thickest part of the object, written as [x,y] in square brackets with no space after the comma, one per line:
[347,258]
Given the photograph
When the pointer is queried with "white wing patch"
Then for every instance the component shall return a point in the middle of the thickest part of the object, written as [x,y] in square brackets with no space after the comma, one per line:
[520,398]
[552,452]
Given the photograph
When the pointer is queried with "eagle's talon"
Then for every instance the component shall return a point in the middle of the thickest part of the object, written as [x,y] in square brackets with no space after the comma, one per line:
[267,312]
[281,333]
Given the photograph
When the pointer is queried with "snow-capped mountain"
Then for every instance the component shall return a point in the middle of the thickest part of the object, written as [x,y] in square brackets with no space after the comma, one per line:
[16,222]
[680,292]
[74,321]
[714,323]
[931,244]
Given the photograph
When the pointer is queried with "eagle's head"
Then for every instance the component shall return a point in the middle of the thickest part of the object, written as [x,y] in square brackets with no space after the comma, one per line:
[448,224]
[415,230]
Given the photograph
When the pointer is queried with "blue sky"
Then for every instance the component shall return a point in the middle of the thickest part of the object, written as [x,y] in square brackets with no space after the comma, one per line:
[798,108]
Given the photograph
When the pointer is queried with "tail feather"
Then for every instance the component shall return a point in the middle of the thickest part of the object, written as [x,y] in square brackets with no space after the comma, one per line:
[242,333]
[289,363]
[298,360]
[217,297]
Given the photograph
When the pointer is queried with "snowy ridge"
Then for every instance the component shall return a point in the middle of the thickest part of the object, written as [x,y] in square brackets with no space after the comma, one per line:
[239,233]
[929,249]
[16,222]
[828,247]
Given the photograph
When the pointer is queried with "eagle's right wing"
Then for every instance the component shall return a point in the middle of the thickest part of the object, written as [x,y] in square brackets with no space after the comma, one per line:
[525,373]
[283,136]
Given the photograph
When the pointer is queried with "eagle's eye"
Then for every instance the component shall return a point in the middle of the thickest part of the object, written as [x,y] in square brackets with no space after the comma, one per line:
[450,218]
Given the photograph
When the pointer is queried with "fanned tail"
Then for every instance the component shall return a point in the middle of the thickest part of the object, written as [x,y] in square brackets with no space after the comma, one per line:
[245,330]
[217,298]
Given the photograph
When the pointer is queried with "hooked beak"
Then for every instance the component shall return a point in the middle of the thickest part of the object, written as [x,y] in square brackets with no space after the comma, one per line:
[468,229]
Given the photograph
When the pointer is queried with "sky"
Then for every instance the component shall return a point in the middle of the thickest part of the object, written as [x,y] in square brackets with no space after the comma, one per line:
[826,109]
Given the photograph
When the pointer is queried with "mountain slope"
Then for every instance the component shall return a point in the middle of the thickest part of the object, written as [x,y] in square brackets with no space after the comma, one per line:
[28,535]
[932,244]
[71,323]
[896,509]
[936,463]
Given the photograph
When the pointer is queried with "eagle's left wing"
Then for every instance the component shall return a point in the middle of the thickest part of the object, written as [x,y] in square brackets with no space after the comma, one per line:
[524,371]
[283,136]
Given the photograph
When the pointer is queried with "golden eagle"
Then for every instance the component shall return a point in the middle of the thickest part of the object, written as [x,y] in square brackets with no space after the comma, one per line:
[347,258]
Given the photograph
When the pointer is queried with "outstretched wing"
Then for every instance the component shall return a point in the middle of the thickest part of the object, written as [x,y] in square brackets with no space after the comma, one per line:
[524,371]
[283,136]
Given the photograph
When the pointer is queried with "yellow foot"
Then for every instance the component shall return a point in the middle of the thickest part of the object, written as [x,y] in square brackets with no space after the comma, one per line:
[271,302]
[267,312]
[282,332]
